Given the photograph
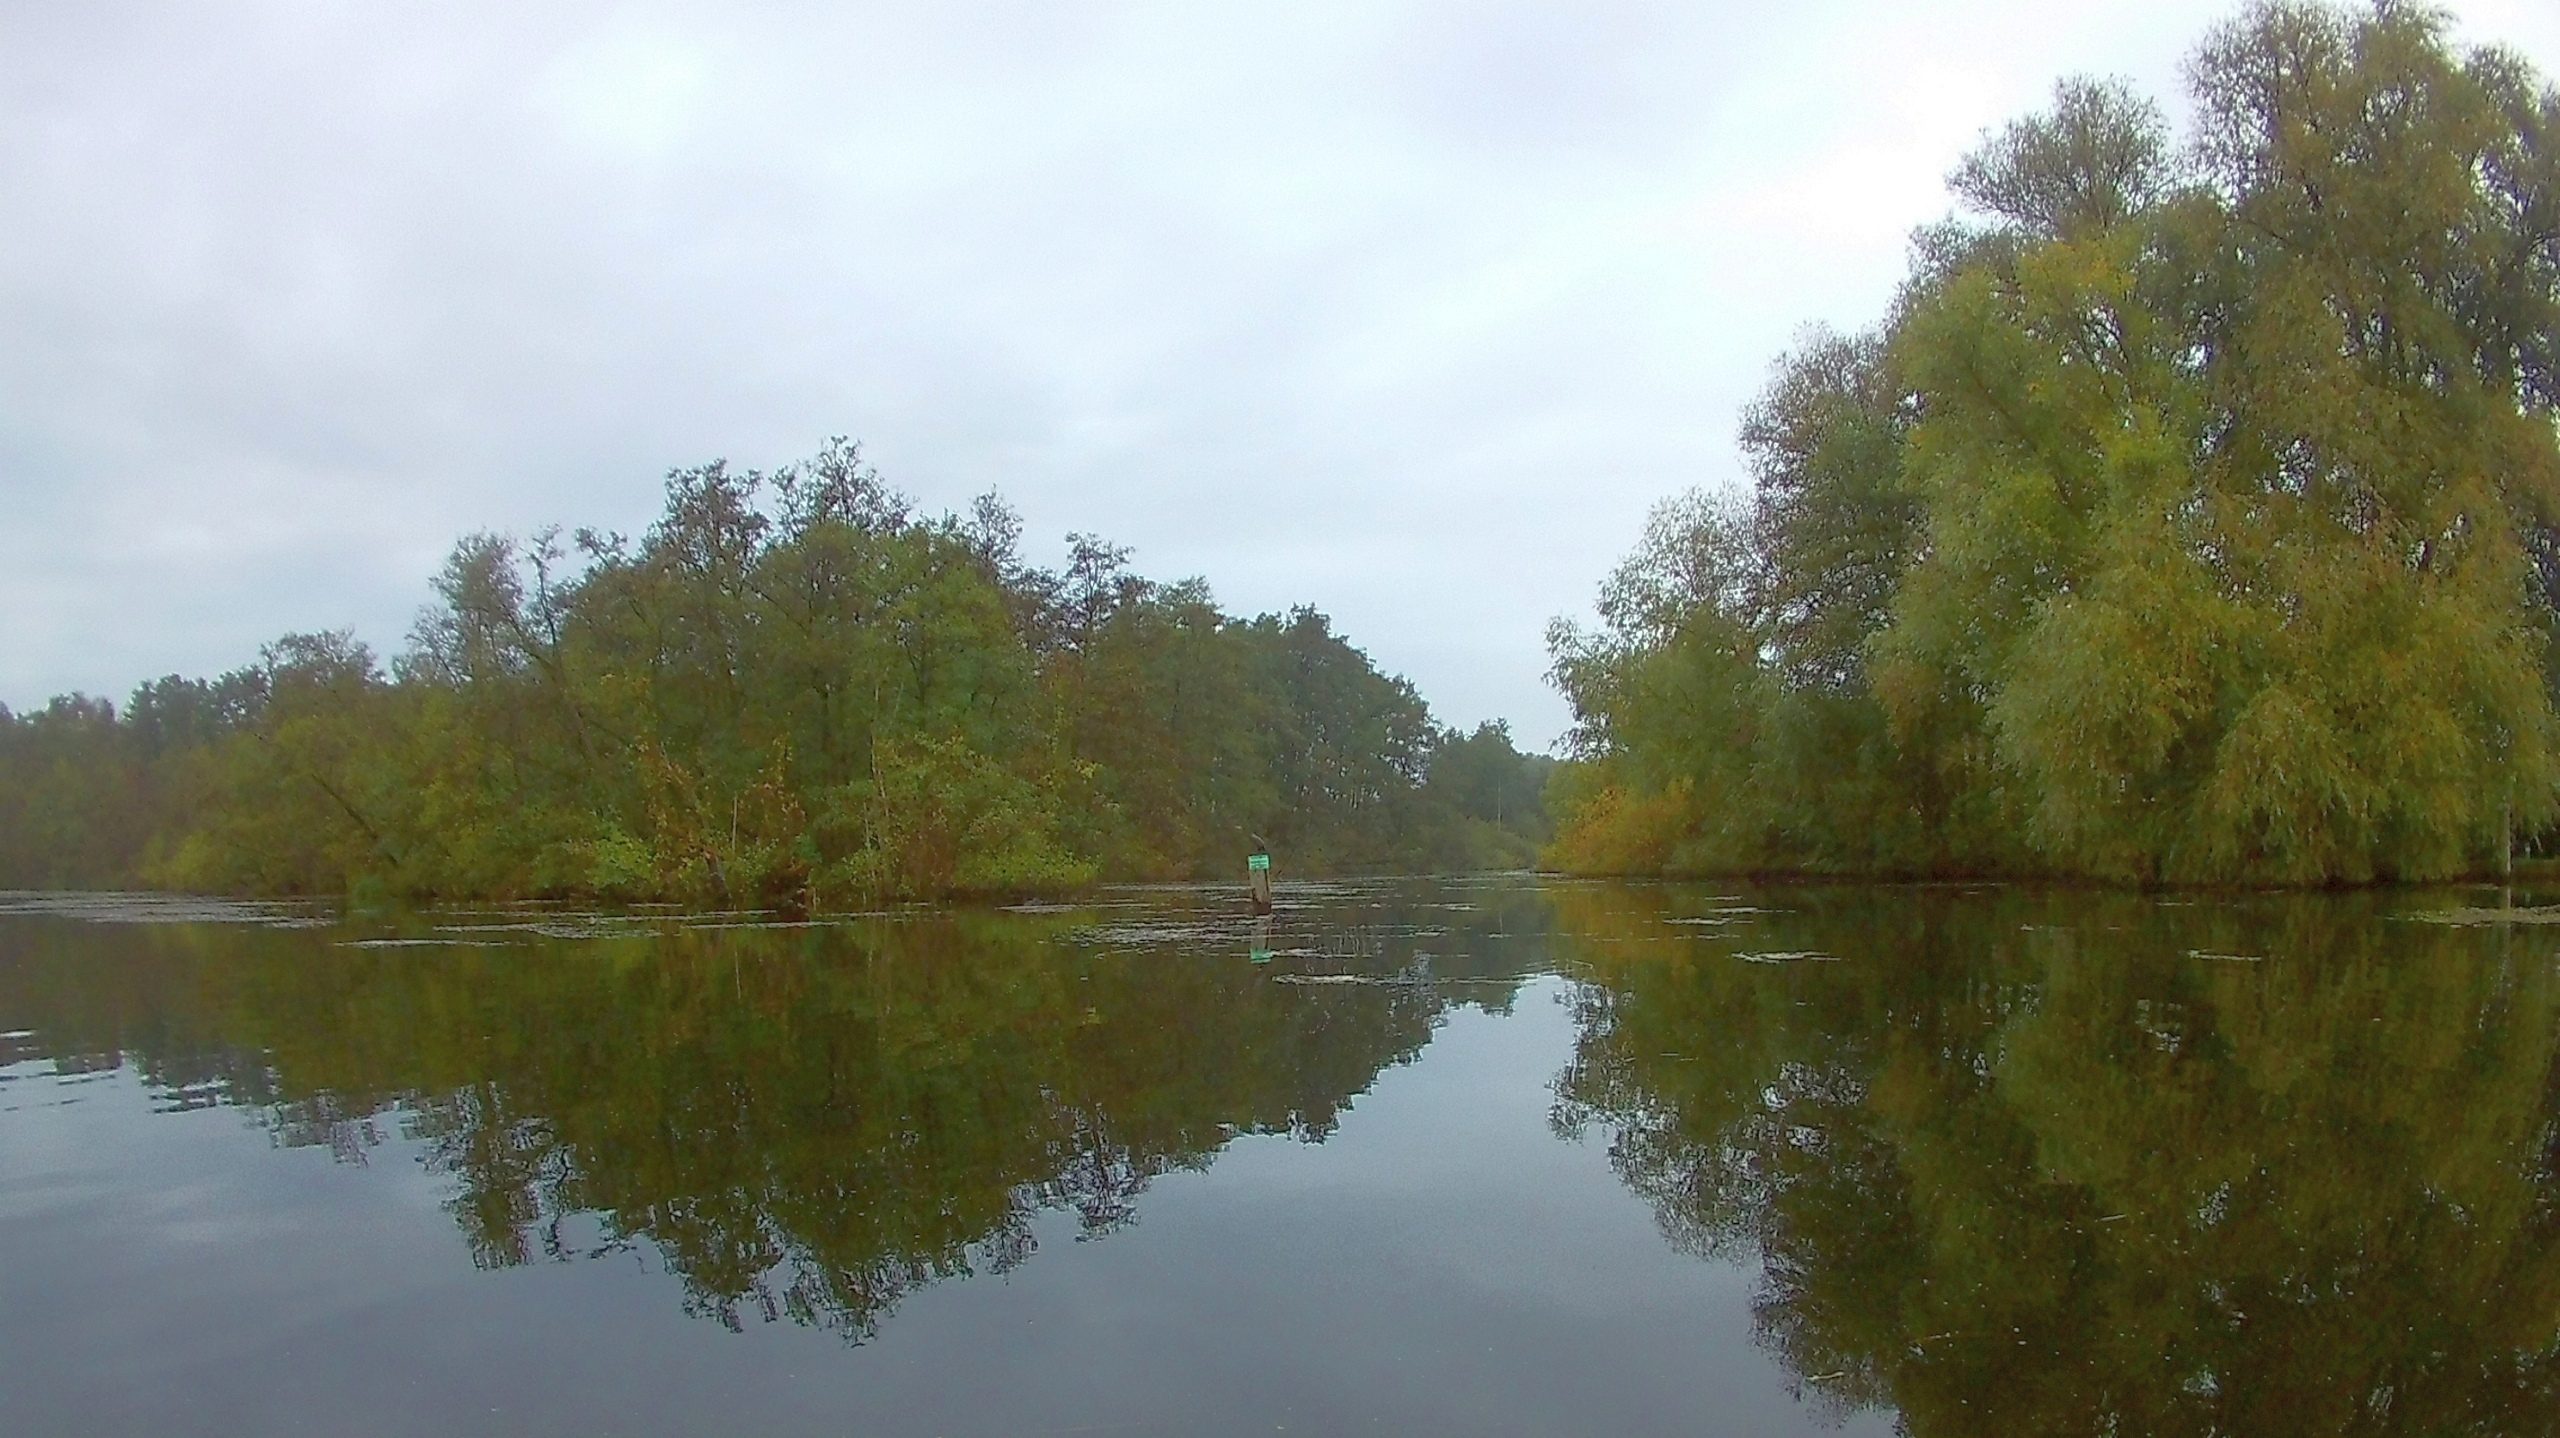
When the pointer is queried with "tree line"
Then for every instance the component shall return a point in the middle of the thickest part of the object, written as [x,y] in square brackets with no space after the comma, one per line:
[2193,514]
[793,688]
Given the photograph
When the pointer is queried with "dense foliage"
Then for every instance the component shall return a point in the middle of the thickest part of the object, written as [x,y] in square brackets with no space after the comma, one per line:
[2191,517]
[791,688]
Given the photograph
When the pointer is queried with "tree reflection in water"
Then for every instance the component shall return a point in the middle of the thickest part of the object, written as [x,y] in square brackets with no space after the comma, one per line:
[2003,1162]
[2087,1164]
[802,1124]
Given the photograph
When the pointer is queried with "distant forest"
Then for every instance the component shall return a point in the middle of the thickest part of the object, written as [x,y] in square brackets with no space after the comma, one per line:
[792,689]
[2190,517]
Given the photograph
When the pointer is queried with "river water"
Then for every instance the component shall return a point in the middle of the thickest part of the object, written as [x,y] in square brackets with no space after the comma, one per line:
[1503,1155]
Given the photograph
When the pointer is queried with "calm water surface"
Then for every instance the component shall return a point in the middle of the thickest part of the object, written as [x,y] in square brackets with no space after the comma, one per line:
[1494,1156]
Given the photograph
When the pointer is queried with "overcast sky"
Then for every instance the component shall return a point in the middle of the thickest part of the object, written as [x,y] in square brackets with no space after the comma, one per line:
[1405,311]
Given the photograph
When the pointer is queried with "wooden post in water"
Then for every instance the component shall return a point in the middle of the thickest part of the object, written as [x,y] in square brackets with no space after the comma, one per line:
[1257,876]
[2507,852]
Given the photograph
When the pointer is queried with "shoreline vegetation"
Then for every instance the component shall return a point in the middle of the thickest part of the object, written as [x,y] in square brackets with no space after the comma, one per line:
[2192,518]
[793,689]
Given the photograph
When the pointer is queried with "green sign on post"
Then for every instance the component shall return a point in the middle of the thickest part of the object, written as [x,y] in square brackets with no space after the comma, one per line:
[1257,880]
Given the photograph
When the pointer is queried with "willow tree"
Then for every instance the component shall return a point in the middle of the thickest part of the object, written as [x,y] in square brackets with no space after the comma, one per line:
[2226,498]
[2192,516]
